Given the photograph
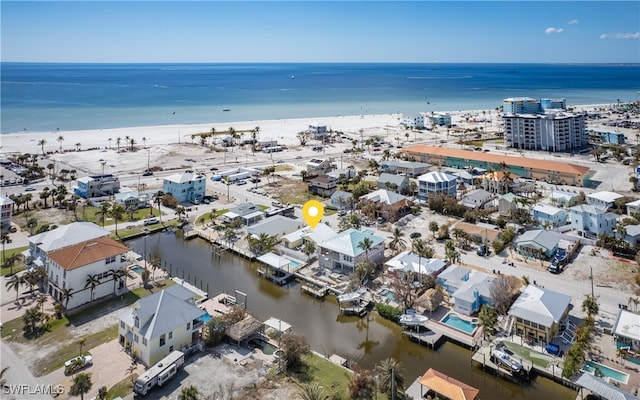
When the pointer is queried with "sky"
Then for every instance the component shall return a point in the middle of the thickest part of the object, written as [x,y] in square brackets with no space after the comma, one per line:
[322,31]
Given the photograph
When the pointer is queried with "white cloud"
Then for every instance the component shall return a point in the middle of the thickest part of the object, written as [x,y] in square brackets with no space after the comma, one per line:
[627,35]
[551,30]
[573,22]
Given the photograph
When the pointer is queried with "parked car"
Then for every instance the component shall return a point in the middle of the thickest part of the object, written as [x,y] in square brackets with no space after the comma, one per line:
[151,221]
[29,189]
[415,235]
[242,182]
[76,364]
[147,173]
[482,250]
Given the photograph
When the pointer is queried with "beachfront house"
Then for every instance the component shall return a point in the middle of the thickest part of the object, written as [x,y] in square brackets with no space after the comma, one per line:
[436,182]
[89,187]
[537,313]
[160,323]
[64,236]
[345,250]
[604,199]
[323,186]
[468,288]
[388,205]
[592,221]
[538,243]
[441,119]
[6,213]
[86,270]
[413,121]
[185,187]
[549,216]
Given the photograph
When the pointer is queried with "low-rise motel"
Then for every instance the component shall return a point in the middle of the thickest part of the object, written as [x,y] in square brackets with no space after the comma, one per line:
[545,170]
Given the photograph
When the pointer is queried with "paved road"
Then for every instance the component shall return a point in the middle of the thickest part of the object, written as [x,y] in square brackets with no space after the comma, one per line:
[22,385]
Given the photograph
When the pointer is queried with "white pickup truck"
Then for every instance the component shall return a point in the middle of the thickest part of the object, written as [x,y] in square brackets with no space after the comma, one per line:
[76,364]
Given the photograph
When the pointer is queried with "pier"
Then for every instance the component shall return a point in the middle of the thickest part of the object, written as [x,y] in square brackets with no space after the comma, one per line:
[427,337]
[483,357]
[315,292]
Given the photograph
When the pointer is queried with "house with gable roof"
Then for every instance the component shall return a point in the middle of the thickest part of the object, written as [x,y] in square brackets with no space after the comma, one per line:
[340,199]
[70,267]
[343,251]
[591,221]
[537,313]
[409,262]
[469,289]
[160,323]
[389,205]
[436,182]
[186,186]
[548,215]
[603,199]
[393,182]
[538,243]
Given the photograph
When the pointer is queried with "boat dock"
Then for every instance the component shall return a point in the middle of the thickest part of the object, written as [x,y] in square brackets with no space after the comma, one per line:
[428,337]
[483,357]
[453,334]
[315,292]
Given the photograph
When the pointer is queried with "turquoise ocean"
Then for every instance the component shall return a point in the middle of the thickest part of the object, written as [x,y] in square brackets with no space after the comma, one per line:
[37,97]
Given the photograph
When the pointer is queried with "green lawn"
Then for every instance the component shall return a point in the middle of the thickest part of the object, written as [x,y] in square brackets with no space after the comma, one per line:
[538,359]
[206,218]
[323,372]
[58,331]
[122,388]
[18,266]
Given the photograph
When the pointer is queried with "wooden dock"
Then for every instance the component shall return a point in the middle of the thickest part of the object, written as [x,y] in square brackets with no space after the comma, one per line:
[428,337]
[315,292]
[483,357]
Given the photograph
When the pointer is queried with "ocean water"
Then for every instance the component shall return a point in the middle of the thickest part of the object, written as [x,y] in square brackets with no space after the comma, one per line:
[49,97]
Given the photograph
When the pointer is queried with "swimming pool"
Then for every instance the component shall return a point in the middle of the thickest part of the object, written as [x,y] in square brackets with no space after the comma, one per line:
[609,373]
[267,348]
[388,294]
[205,318]
[460,324]
[138,269]
[294,264]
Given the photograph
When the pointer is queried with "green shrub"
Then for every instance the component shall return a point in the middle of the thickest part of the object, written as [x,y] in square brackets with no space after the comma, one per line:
[388,312]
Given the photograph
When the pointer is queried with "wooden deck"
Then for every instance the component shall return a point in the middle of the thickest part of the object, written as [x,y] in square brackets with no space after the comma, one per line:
[483,357]
[315,292]
[428,337]
[454,334]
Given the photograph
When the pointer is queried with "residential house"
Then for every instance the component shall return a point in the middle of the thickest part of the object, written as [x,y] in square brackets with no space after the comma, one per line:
[537,313]
[411,169]
[591,221]
[549,216]
[464,177]
[318,130]
[323,186]
[341,199]
[74,267]
[318,166]
[442,119]
[185,187]
[436,385]
[626,330]
[538,243]
[344,250]
[6,213]
[605,136]
[160,323]
[409,262]
[563,198]
[476,199]
[633,207]
[388,205]
[632,234]
[509,203]
[396,183]
[469,289]
[343,173]
[247,213]
[436,182]
[276,226]
[132,200]
[64,236]
[496,182]
[97,186]
[320,233]
[604,199]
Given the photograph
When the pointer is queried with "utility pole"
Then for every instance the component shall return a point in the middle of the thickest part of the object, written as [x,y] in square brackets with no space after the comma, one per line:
[592,294]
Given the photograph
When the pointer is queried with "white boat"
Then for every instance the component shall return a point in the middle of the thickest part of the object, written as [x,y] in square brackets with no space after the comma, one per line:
[413,319]
[506,360]
[350,297]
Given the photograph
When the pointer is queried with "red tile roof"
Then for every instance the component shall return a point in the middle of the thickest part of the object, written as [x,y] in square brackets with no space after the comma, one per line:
[87,252]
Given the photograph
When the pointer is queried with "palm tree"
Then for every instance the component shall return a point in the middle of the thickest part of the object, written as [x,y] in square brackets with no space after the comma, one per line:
[92,281]
[392,378]
[397,242]
[450,252]
[189,393]
[365,244]
[31,318]
[312,392]
[590,305]
[158,198]
[118,140]
[433,228]
[42,298]
[117,275]
[488,318]
[41,143]
[4,237]
[308,248]
[60,140]
[117,212]
[105,208]
[81,385]
[14,283]
[65,295]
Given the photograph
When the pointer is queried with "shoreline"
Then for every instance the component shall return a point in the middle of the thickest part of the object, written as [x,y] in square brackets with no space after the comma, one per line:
[282,130]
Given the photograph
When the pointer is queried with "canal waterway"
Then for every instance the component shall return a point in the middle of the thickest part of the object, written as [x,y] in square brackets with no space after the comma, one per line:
[367,340]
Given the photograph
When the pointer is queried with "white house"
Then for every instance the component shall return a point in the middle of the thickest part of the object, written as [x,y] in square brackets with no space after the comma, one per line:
[537,313]
[185,187]
[633,207]
[413,121]
[469,289]
[64,236]
[591,221]
[277,225]
[409,262]
[318,166]
[436,182]
[603,199]
[546,214]
[160,323]
[315,235]
[563,198]
[626,330]
[86,270]
[345,251]
[475,199]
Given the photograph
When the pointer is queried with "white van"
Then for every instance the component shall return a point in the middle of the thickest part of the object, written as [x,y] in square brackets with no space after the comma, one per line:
[151,221]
